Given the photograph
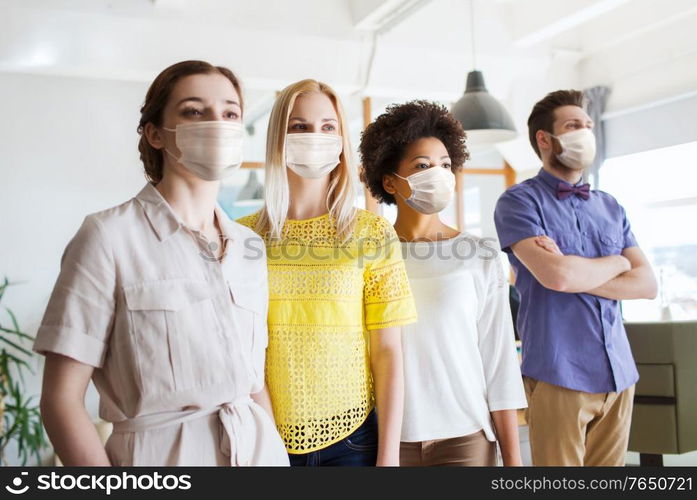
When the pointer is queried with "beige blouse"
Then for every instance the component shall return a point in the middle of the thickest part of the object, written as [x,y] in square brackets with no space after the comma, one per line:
[177,337]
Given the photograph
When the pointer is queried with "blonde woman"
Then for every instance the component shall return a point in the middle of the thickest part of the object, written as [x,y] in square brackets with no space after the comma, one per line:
[338,292]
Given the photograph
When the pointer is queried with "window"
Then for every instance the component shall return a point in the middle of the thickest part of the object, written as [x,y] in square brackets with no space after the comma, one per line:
[658,189]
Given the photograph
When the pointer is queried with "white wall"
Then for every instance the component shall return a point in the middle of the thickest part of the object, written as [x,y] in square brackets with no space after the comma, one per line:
[68,147]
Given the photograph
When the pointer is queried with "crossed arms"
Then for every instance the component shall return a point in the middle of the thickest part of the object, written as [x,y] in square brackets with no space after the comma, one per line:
[618,277]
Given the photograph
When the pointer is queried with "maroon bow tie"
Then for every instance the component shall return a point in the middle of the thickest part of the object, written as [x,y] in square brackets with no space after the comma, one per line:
[564,191]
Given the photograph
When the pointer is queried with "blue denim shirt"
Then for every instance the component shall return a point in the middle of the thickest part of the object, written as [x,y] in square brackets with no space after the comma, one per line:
[573,340]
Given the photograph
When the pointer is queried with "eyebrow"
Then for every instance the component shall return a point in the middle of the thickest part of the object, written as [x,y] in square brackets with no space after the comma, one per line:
[298,118]
[578,120]
[198,99]
[428,157]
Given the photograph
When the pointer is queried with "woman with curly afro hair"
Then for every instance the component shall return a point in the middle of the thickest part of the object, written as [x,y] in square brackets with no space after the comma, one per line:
[461,375]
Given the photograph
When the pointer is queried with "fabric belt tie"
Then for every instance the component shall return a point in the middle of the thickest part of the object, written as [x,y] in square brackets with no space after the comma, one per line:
[230,417]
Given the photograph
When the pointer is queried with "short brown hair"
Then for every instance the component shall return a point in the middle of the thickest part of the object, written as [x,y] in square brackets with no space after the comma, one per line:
[542,115]
[384,141]
[156,100]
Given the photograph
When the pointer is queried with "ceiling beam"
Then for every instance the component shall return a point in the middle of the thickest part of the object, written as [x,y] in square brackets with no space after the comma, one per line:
[573,18]
[380,16]
[645,28]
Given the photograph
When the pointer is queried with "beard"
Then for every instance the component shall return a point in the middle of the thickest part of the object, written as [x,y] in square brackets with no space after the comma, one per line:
[564,168]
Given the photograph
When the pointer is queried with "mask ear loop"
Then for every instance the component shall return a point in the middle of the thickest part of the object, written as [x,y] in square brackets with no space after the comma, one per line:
[170,154]
[411,188]
[167,150]
[554,137]
[558,141]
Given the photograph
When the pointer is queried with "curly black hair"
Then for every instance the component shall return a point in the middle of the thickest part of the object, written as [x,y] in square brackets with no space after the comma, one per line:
[384,141]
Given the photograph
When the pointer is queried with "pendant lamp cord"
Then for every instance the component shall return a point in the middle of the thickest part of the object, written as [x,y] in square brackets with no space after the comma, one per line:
[474,49]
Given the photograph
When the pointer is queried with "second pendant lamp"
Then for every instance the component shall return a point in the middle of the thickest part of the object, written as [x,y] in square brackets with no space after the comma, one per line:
[484,119]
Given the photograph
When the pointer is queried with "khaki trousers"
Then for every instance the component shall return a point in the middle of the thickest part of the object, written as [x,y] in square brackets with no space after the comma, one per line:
[470,450]
[570,427]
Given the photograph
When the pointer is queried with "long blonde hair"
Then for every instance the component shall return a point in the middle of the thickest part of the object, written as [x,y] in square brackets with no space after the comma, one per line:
[343,179]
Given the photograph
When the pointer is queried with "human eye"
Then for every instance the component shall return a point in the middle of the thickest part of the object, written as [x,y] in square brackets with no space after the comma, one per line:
[298,126]
[232,115]
[446,165]
[191,112]
[423,166]
[329,127]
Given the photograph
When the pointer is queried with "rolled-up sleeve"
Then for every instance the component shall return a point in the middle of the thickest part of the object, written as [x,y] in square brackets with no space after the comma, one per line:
[80,312]
[497,343]
[516,218]
[629,239]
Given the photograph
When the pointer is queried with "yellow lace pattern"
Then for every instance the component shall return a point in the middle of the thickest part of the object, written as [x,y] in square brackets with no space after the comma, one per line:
[324,297]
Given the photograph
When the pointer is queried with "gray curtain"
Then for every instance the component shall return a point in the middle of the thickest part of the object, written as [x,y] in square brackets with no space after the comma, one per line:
[597,99]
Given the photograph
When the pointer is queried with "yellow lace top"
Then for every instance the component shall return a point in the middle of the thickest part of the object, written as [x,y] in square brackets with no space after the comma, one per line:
[324,297]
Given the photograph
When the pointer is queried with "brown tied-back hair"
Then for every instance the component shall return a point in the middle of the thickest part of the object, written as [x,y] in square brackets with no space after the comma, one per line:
[542,115]
[384,141]
[156,100]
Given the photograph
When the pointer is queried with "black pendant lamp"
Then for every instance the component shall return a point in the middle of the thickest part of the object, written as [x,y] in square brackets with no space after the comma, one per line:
[484,119]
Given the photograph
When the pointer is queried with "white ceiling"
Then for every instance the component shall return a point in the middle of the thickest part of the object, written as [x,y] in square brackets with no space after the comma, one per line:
[644,49]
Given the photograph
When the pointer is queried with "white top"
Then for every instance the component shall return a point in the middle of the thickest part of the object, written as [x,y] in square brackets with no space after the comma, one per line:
[460,360]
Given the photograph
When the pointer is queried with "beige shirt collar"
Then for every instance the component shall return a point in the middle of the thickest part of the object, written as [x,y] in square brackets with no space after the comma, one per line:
[165,222]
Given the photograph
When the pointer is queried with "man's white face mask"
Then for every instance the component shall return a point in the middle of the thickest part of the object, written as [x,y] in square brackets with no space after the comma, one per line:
[577,148]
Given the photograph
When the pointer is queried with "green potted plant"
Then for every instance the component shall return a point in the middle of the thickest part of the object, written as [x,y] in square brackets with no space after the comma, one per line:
[20,419]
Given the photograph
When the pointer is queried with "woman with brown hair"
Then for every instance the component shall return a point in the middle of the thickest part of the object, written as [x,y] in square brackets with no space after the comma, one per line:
[162,301]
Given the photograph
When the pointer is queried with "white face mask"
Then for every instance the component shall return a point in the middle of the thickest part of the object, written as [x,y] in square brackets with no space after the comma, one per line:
[313,155]
[577,148]
[211,150]
[431,190]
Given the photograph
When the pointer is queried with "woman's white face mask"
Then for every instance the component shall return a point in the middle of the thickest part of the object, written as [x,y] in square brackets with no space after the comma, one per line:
[211,150]
[431,190]
[313,155]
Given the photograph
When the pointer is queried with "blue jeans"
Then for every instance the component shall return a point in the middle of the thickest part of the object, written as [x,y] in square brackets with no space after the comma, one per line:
[360,448]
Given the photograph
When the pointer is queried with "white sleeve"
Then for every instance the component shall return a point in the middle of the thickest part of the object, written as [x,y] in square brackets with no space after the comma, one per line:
[504,383]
